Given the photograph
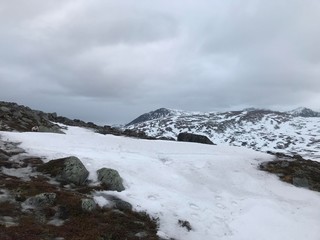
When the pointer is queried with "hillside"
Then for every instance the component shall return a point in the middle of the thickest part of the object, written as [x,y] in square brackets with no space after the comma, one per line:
[195,191]
[150,189]
[294,132]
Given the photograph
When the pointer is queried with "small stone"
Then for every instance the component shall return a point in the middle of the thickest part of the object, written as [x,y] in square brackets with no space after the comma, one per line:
[141,235]
[122,205]
[300,182]
[185,224]
[88,205]
[284,164]
[41,200]
[62,213]
[4,109]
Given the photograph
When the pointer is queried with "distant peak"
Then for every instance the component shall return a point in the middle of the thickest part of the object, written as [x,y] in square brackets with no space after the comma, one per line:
[304,112]
[159,113]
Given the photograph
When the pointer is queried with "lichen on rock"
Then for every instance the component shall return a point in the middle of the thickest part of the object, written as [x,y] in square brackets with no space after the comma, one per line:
[111,179]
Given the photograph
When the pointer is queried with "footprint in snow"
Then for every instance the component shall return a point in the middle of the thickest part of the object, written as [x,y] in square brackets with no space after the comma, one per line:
[194,206]
[234,203]
[218,197]
[153,197]
[221,206]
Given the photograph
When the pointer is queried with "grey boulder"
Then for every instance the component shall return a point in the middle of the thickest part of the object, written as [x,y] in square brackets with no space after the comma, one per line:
[111,179]
[66,170]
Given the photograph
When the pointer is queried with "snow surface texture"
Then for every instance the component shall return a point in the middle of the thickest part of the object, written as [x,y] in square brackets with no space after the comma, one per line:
[261,130]
[218,189]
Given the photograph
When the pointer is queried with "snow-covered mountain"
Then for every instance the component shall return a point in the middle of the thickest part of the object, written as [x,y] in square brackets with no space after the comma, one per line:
[304,112]
[293,132]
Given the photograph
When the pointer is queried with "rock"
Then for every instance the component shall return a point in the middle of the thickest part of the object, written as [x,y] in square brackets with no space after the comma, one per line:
[88,205]
[8,221]
[66,170]
[40,200]
[300,173]
[4,109]
[185,224]
[300,182]
[111,179]
[3,156]
[16,117]
[53,129]
[190,137]
[62,213]
[141,235]
[120,204]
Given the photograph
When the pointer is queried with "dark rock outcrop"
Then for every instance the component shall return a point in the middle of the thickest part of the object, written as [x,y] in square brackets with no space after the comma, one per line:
[111,179]
[190,137]
[66,170]
[14,117]
[295,170]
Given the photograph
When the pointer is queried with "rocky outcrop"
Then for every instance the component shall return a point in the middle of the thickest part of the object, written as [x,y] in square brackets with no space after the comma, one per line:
[111,179]
[190,137]
[14,117]
[38,208]
[295,170]
[66,170]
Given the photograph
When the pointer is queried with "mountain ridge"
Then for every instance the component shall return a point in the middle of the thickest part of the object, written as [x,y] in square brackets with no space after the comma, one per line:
[161,112]
[291,132]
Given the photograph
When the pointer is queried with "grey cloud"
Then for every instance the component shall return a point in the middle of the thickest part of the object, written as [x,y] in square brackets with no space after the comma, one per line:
[114,60]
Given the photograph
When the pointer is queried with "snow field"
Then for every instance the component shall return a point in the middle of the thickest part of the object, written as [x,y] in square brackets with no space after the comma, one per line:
[218,189]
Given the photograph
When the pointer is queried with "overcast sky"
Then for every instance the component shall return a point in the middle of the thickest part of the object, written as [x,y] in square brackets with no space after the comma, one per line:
[108,61]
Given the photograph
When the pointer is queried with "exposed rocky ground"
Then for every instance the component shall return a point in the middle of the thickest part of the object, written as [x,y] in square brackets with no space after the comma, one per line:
[294,132]
[54,200]
[295,170]
[14,117]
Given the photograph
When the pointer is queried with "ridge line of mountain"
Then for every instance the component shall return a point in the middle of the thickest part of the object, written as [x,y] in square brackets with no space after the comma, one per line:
[292,132]
[162,112]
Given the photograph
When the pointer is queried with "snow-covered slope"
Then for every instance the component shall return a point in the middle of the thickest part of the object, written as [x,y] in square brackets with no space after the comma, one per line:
[295,132]
[218,189]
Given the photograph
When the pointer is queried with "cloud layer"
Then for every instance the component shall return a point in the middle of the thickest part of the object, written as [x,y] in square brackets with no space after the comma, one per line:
[109,61]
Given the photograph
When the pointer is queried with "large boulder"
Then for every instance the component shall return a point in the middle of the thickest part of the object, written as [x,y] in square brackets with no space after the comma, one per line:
[111,179]
[190,137]
[66,170]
